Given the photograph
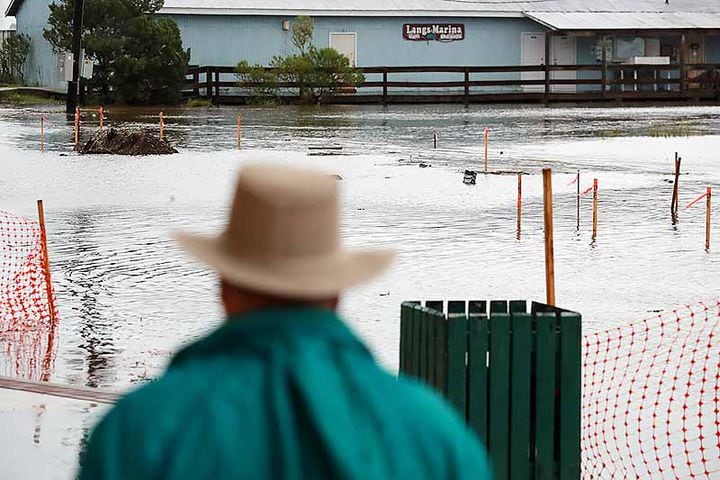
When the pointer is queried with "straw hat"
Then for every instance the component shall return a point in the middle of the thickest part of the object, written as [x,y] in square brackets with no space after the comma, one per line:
[283,237]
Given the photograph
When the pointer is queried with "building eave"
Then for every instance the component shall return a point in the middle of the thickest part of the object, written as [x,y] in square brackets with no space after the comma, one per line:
[334,13]
[13,8]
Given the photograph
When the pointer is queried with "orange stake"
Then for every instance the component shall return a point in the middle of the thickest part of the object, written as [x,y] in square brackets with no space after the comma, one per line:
[162,126]
[487,141]
[595,208]
[707,218]
[519,203]
[77,127]
[101,114]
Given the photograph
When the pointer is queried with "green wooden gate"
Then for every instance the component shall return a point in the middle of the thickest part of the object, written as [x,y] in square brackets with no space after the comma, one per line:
[513,374]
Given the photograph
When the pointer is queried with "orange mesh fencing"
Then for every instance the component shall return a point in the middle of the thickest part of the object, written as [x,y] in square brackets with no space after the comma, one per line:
[651,398]
[28,317]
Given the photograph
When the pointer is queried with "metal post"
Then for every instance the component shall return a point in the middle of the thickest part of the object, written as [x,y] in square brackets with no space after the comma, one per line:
[603,70]
[548,39]
[74,85]
[707,218]
[683,85]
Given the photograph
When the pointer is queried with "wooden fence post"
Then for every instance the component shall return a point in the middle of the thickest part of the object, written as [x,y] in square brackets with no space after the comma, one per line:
[519,204]
[549,253]
[208,83]
[467,87]
[487,141]
[595,209]
[676,187]
[385,86]
[707,218]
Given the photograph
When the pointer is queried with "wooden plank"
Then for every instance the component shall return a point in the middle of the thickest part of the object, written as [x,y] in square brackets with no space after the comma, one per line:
[55,390]
[457,371]
[518,306]
[430,347]
[422,345]
[414,342]
[435,305]
[570,395]
[477,306]
[441,355]
[499,394]
[478,348]
[498,306]
[520,374]
[456,306]
[405,312]
[544,411]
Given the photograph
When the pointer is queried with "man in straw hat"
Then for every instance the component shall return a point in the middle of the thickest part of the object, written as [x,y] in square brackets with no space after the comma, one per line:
[282,389]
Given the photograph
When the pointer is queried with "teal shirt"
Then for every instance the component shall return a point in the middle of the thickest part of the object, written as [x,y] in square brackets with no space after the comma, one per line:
[283,394]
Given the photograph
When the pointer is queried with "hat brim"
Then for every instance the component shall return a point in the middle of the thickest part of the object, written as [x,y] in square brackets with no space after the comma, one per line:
[308,278]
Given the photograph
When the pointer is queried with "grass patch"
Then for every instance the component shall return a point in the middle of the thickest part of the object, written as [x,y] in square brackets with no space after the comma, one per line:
[199,103]
[18,99]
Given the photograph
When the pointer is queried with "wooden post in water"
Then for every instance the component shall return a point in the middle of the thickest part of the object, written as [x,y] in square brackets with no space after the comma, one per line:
[162,126]
[101,114]
[519,204]
[549,252]
[595,209]
[239,130]
[487,141]
[675,195]
[77,128]
[435,138]
[707,218]
[42,132]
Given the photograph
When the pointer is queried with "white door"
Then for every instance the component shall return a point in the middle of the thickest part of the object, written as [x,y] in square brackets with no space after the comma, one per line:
[564,53]
[532,52]
[345,43]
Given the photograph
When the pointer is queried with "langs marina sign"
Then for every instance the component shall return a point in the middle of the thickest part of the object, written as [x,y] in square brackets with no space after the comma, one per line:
[442,32]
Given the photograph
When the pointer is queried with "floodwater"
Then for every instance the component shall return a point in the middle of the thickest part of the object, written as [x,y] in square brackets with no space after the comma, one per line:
[129,298]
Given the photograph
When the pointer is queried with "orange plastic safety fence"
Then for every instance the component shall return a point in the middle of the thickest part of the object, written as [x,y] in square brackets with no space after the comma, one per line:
[651,398]
[27,326]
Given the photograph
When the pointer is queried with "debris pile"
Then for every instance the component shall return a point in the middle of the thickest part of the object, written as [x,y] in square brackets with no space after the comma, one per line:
[114,141]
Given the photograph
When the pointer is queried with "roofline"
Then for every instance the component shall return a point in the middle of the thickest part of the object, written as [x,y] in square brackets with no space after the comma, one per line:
[334,13]
[530,16]
[13,8]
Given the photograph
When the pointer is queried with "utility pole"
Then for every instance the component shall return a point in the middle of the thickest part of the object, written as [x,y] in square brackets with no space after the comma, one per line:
[74,85]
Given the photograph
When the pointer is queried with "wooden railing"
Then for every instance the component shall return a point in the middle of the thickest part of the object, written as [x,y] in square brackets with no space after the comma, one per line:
[493,83]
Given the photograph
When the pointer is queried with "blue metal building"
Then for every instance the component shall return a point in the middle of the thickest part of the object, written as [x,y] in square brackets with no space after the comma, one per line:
[424,32]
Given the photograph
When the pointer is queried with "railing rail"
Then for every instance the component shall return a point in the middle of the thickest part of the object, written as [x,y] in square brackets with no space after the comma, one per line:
[384,84]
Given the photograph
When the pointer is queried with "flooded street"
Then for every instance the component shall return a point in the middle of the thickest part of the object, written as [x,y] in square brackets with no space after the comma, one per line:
[128,298]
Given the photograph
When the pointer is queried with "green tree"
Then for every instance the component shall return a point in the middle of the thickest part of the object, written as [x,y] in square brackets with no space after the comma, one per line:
[109,27]
[302,32]
[315,73]
[14,50]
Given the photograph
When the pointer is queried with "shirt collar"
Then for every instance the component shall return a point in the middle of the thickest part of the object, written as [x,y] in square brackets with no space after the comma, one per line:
[272,327]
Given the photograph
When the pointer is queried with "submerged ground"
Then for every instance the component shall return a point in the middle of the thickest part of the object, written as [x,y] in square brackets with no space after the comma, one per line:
[129,298]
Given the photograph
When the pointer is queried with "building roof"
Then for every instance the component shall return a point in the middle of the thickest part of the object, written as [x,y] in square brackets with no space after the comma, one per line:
[626,20]
[428,8]
[474,8]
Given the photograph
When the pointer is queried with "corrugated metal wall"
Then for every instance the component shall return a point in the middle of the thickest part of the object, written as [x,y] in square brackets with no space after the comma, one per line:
[225,40]
[41,67]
